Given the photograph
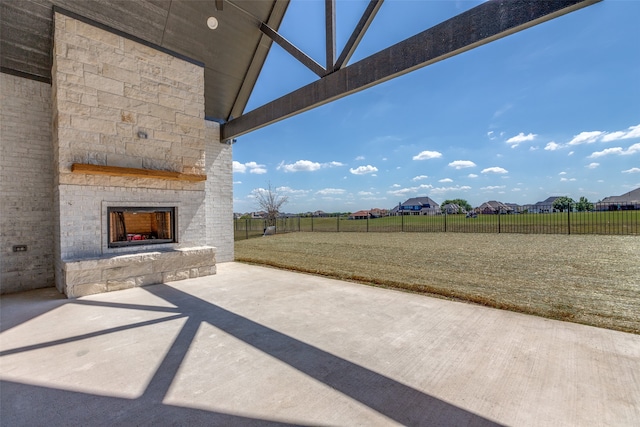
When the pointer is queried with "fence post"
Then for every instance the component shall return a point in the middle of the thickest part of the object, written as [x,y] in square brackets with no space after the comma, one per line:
[312,223]
[338,222]
[445,222]
[499,214]
[246,228]
[367,223]
[402,221]
[569,219]
[298,224]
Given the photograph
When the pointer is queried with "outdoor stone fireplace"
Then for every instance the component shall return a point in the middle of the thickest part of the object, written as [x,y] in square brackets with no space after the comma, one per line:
[130,169]
[132,226]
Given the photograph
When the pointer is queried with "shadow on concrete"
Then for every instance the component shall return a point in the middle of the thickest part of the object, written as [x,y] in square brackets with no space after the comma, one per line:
[30,405]
[402,403]
[24,306]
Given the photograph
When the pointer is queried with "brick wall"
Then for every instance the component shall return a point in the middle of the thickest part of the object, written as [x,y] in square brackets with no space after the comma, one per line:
[219,188]
[26,178]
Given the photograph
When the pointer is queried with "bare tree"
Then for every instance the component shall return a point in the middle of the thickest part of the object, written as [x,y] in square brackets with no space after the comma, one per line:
[270,200]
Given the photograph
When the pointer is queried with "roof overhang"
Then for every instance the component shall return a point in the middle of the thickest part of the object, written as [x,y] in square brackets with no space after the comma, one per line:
[232,55]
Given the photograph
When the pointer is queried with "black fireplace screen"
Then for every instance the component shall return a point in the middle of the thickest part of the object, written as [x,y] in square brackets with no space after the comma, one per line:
[140,226]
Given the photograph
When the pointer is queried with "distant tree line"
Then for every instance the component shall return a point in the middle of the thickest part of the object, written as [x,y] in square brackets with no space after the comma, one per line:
[565,203]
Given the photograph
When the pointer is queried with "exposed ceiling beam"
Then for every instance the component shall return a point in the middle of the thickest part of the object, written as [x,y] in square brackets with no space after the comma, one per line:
[294,51]
[330,25]
[483,24]
[262,50]
[358,33]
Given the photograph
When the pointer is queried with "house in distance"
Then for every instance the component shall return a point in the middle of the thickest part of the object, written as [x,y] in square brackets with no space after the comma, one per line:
[417,206]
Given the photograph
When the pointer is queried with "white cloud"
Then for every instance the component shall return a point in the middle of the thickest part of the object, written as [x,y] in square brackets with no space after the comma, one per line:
[567,179]
[331,191]
[520,138]
[490,135]
[585,138]
[396,186]
[461,164]
[445,180]
[289,190]
[419,177]
[237,182]
[562,173]
[494,169]
[594,136]
[593,165]
[402,192]
[363,170]
[256,168]
[252,167]
[632,132]
[365,193]
[472,175]
[239,167]
[300,166]
[493,187]
[614,136]
[442,190]
[360,158]
[570,153]
[632,170]
[635,148]
[427,155]
[409,190]
[552,146]
[306,166]
[516,189]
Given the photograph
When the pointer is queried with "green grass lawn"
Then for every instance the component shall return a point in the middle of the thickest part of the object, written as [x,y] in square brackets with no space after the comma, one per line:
[587,279]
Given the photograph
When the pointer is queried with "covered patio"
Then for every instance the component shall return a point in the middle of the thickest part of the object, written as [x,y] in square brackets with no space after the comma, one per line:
[259,346]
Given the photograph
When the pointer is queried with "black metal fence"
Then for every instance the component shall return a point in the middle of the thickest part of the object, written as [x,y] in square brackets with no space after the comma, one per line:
[612,219]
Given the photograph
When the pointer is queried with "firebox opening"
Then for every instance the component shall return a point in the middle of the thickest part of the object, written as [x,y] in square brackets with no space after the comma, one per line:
[129,226]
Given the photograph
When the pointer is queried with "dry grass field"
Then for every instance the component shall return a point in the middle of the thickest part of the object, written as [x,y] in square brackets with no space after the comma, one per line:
[594,280]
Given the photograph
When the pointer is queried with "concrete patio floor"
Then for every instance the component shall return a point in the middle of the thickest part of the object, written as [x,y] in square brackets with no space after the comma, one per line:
[259,346]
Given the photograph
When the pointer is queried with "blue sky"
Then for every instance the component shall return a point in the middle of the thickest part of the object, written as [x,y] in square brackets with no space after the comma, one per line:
[552,110]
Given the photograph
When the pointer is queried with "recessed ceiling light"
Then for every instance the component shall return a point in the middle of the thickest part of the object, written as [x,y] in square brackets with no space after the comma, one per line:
[212,23]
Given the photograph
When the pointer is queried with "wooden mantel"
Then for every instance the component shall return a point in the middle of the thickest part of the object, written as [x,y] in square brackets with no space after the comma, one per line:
[134,172]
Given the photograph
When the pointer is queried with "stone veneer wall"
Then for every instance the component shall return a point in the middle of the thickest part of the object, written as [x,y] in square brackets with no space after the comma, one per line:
[30,164]
[26,182]
[106,90]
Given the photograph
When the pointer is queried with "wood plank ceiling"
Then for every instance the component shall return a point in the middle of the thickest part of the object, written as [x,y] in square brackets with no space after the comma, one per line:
[233,54]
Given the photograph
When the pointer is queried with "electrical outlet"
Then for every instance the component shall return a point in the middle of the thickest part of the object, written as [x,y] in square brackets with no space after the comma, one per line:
[19,248]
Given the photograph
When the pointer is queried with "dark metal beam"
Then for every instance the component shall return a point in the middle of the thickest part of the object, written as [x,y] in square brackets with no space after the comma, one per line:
[294,51]
[219,5]
[262,50]
[358,33]
[330,20]
[483,24]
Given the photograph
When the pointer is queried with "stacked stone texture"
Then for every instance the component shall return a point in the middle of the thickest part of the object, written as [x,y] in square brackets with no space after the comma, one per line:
[105,90]
[121,103]
[108,91]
